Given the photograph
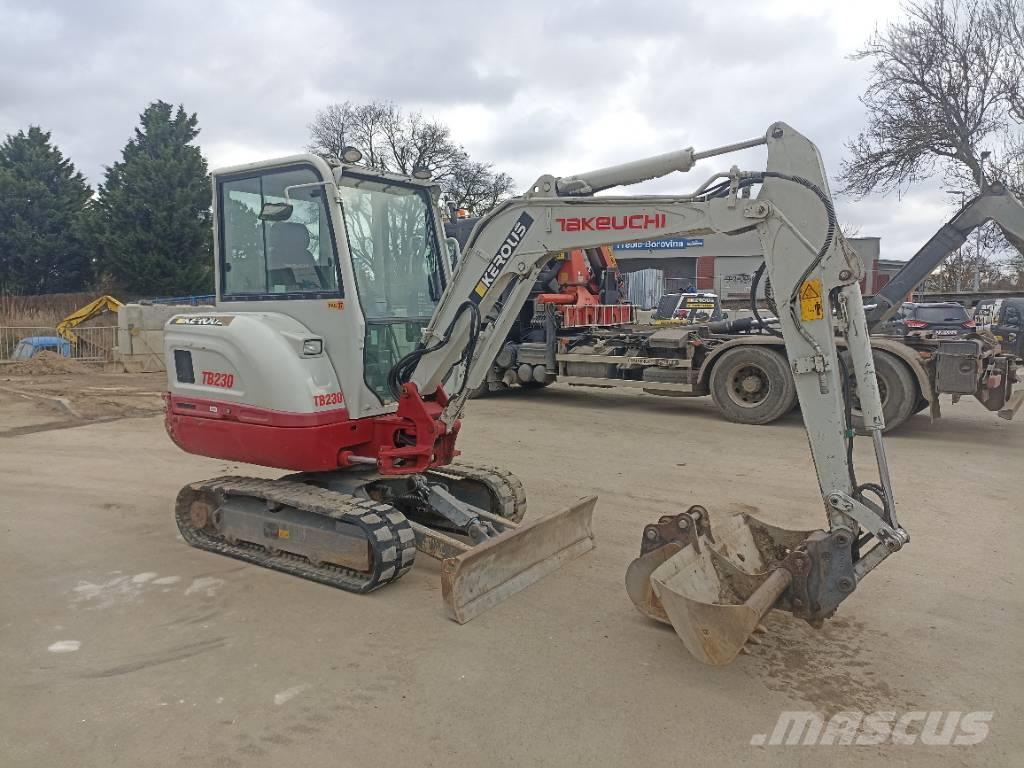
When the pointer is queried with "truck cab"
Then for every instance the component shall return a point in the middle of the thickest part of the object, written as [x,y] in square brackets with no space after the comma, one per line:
[1007,326]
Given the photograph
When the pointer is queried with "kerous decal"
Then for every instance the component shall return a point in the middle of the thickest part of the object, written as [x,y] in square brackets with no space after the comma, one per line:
[202,320]
[505,252]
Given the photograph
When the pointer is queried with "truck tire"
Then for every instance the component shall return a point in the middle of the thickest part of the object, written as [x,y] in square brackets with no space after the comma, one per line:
[752,385]
[897,387]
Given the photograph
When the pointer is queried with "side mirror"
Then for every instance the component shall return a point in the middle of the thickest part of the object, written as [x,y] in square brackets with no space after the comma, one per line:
[276,211]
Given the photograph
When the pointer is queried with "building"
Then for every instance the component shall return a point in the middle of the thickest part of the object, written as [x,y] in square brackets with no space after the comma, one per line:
[724,265]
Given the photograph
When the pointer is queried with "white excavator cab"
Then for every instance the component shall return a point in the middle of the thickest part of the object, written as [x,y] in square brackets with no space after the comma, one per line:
[351,255]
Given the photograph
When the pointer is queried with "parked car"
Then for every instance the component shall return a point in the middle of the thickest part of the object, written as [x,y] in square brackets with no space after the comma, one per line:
[945,319]
[33,345]
[1007,325]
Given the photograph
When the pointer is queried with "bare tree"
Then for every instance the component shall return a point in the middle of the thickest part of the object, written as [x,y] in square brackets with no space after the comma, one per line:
[938,95]
[331,132]
[393,140]
[1007,25]
[476,187]
[958,270]
[944,94]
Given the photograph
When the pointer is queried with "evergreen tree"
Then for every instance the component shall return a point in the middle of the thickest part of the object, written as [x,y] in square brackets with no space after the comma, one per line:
[43,205]
[152,219]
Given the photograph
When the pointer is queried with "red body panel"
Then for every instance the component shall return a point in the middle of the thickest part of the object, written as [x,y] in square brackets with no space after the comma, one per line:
[410,440]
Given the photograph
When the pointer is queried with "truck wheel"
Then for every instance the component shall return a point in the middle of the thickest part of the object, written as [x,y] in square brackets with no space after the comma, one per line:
[752,385]
[897,388]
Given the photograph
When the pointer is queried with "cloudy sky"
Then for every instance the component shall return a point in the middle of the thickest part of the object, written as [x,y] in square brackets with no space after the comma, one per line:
[530,86]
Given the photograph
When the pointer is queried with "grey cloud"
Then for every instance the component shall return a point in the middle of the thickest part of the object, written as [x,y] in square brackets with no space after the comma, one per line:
[544,73]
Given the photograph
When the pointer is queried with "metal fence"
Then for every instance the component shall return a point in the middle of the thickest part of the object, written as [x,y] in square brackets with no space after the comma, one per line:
[89,344]
[644,287]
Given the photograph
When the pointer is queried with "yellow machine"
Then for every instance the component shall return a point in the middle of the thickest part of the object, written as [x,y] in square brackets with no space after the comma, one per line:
[65,328]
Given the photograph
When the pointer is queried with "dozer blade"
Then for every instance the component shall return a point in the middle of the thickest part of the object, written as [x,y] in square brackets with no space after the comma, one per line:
[713,590]
[488,573]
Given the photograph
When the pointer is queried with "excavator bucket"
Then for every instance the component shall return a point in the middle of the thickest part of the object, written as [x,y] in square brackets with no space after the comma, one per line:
[484,575]
[714,586]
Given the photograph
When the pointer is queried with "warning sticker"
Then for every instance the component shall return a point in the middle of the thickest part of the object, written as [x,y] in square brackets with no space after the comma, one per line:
[811,305]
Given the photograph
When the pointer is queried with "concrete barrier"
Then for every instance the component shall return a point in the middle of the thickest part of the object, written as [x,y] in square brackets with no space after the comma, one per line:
[140,334]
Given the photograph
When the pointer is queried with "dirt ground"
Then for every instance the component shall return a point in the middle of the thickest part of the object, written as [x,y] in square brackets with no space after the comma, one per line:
[121,646]
[52,392]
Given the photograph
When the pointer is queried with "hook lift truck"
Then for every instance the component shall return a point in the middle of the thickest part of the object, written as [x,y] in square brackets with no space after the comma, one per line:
[343,349]
[742,364]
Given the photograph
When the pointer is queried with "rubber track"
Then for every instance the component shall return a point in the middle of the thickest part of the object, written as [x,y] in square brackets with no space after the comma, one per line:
[505,486]
[391,539]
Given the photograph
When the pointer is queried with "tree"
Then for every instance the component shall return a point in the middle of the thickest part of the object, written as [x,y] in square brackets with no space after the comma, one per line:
[958,270]
[945,99]
[940,90]
[393,140]
[43,204]
[152,221]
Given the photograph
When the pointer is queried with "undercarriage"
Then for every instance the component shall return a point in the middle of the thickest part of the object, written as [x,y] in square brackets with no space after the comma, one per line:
[358,530]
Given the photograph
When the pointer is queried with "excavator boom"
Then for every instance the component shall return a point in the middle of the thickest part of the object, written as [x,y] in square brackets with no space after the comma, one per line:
[815,276]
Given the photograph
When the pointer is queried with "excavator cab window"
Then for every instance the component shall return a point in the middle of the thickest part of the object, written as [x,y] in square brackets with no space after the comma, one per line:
[396,258]
[294,258]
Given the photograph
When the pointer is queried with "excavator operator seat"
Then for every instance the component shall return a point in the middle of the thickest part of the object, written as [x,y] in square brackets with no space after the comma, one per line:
[289,261]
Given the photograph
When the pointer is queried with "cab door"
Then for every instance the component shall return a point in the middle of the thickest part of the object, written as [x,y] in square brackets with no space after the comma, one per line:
[292,266]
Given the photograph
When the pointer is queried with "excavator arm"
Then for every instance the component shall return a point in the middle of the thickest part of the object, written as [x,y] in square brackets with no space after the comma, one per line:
[65,327]
[815,277]
[995,203]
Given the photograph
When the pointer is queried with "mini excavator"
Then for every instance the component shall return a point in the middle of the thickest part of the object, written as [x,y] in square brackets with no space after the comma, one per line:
[343,348]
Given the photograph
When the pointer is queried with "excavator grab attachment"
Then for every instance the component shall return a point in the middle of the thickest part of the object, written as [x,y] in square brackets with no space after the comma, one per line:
[715,585]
